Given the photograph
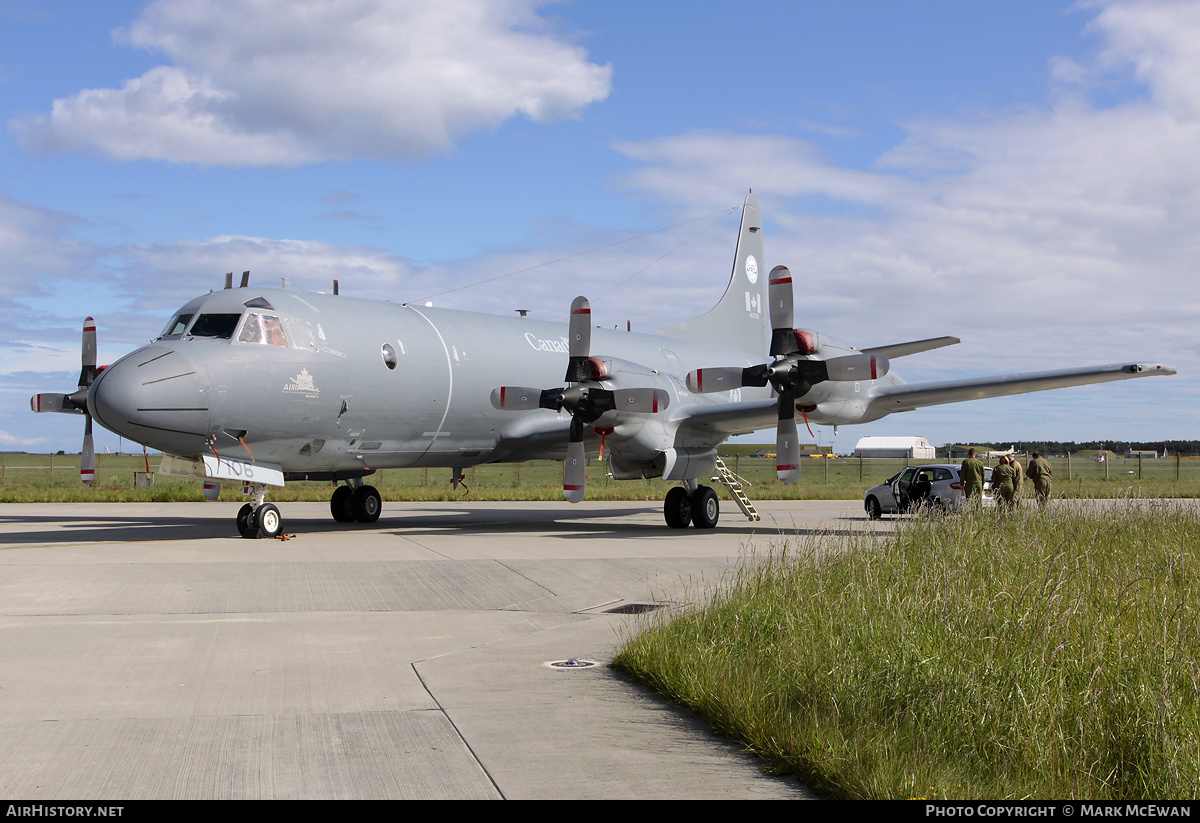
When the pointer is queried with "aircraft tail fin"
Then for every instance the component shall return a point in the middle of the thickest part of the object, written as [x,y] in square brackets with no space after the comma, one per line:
[741,319]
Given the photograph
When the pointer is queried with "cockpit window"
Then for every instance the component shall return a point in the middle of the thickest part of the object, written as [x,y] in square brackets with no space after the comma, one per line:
[258,303]
[176,326]
[262,328]
[215,325]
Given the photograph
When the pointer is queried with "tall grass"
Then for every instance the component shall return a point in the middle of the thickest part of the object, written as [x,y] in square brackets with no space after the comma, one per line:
[1032,654]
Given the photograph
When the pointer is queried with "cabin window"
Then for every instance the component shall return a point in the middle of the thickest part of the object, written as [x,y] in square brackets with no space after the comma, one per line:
[176,326]
[215,325]
[262,329]
[389,356]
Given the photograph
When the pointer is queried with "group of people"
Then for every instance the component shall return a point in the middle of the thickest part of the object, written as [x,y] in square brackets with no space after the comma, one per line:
[1007,479]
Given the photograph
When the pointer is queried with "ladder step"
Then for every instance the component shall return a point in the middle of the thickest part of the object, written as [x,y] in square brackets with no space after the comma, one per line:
[730,481]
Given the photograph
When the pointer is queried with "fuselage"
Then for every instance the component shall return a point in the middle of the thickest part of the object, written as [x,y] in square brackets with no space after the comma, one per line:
[317,382]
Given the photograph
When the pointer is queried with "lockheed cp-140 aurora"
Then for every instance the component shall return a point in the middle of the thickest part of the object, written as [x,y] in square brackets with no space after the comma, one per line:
[256,387]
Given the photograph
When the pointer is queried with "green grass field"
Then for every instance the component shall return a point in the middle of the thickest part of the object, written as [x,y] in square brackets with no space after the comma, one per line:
[28,478]
[1029,655]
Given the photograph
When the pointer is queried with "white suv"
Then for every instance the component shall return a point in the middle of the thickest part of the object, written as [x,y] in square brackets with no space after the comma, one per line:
[936,485]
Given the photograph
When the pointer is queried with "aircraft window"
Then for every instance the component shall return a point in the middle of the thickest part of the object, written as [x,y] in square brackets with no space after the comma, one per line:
[262,328]
[176,326]
[389,356]
[215,325]
[258,303]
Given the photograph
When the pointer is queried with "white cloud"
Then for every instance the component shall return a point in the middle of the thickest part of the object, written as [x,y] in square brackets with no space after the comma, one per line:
[285,82]
[1042,236]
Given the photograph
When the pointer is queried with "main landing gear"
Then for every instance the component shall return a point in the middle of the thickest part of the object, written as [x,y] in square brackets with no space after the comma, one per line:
[698,506]
[361,503]
[349,503]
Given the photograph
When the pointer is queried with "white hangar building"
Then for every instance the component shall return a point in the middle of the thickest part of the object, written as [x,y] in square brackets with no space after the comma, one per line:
[916,447]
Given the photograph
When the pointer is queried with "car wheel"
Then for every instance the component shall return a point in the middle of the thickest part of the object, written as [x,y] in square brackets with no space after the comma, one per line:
[874,510]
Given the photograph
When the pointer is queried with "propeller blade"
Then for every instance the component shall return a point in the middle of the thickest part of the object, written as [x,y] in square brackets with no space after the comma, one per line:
[574,470]
[703,381]
[783,337]
[647,401]
[706,381]
[88,373]
[857,367]
[516,398]
[87,458]
[53,403]
[787,442]
[579,345]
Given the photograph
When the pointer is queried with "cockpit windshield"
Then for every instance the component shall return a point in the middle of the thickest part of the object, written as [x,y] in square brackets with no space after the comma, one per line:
[220,326]
[262,328]
[176,326]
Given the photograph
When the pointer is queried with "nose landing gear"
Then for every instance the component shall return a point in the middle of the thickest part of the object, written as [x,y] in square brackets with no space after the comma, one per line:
[259,518]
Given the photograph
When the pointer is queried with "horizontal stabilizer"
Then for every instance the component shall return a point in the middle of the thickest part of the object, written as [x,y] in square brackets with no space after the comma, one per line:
[901,349]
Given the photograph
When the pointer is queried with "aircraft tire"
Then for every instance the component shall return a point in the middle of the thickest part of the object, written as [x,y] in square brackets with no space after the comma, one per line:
[269,521]
[367,504]
[245,522]
[341,504]
[706,508]
[678,508]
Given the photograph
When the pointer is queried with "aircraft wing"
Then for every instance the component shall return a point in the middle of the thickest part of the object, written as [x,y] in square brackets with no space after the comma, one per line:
[909,397]
[731,418]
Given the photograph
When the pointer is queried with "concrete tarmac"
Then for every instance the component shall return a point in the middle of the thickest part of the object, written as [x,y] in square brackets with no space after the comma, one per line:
[151,652]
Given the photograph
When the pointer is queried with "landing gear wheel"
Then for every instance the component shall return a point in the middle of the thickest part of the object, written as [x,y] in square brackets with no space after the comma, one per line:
[678,508]
[268,520]
[245,522]
[706,508]
[340,504]
[367,504]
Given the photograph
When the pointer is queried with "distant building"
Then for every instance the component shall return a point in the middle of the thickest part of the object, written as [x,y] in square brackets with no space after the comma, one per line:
[915,447]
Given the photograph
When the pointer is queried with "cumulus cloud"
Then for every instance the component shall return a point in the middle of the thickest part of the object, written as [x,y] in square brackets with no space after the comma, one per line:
[286,82]
[1041,235]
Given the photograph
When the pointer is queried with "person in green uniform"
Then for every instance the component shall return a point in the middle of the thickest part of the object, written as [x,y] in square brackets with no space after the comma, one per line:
[1041,476]
[1018,480]
[1004,478]
[971,474]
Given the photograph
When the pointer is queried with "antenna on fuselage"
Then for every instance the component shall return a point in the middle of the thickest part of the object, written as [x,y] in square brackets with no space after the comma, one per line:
[229,280]
[245,279]
[522,312]
[335,287]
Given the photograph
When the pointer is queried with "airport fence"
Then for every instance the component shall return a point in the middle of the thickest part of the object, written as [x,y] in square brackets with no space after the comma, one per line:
[831,478]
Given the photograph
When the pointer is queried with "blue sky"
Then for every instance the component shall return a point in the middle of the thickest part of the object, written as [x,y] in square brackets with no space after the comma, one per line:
[1019,174]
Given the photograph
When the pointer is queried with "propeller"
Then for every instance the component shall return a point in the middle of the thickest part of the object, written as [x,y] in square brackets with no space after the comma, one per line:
[791,375]
[584,398]
[76,401]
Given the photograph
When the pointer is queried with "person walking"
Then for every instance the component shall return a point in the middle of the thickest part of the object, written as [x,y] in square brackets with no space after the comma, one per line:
[1041,475]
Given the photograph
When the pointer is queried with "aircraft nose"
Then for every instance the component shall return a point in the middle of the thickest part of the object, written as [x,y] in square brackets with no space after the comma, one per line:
[154,396]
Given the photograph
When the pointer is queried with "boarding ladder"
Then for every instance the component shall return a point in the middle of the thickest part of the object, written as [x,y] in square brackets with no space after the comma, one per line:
[734,483]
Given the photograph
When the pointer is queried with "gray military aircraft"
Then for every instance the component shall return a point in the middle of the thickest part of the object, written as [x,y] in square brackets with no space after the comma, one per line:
[256,387]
